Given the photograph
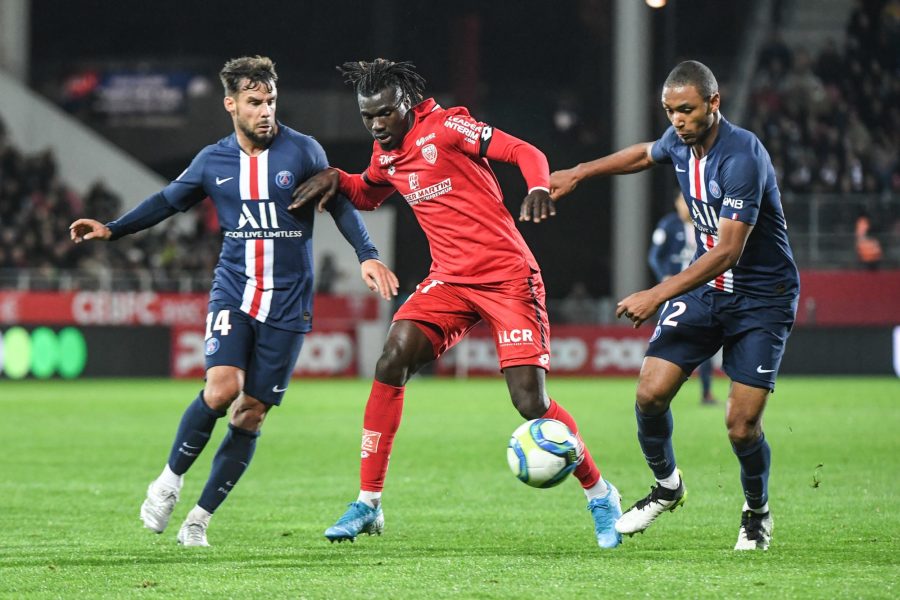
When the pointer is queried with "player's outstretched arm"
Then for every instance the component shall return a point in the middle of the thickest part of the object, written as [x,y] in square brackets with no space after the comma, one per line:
[628,160]
[88,229]
[379,278]
[319,188]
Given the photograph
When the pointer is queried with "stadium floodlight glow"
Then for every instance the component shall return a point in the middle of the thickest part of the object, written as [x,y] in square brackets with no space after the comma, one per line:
[655,3]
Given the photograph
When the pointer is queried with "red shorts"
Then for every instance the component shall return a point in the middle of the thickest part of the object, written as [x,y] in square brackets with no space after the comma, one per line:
[515,311]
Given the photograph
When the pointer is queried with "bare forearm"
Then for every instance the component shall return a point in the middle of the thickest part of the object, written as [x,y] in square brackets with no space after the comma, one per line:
[628,160]
[706,268]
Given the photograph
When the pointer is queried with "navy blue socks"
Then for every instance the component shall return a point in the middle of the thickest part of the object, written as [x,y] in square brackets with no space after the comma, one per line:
[755,460]
[228,465]
[193,433]
[655,436]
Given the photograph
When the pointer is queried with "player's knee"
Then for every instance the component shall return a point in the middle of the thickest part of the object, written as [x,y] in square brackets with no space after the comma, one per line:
[743,432]
[651,400]
[249,413]
[397,363]
[220,395]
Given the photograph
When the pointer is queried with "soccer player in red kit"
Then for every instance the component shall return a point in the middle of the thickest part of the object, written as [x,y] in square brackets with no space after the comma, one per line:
[481,268]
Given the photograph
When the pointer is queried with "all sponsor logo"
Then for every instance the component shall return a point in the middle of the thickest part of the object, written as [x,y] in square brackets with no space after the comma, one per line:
[284,180]
[370,441]
[266,216]
[430,153]
[413,181]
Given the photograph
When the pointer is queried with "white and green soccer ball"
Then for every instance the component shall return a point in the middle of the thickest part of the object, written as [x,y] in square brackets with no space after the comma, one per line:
[542,452]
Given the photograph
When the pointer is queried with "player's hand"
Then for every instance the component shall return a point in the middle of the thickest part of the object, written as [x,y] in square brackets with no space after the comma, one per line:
[88,229]
[537,206]
[562,183]
[319,188]
[638,307]
[379,278]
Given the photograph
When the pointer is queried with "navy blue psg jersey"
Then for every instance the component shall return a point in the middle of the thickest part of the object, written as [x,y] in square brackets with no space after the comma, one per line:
[265,267]
[736,180]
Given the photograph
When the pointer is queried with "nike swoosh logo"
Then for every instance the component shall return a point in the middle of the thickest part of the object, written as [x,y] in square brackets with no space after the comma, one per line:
[221,181]
[679,169]
[186,445]
[278,390]
[759,369]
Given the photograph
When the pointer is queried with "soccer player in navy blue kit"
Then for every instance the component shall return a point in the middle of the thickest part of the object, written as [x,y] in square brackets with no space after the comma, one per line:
[260,305]
[672,247]
[740,293]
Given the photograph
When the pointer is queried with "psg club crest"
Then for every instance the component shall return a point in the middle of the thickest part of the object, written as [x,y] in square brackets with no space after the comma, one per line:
[212,346]
[430,153]
[413,181]
[714,189]
[284,180]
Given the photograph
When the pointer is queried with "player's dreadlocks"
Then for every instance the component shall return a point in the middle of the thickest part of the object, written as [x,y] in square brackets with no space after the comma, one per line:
[369,78]
[691,72]
[256,70]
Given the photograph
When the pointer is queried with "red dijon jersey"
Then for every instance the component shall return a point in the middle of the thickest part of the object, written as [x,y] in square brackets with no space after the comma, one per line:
[442,171]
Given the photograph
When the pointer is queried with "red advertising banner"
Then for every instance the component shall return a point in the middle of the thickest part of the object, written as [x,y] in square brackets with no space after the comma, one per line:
[575,350]
[148,308]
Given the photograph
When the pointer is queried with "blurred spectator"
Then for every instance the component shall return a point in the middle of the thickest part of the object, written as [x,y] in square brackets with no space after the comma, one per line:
[868,248]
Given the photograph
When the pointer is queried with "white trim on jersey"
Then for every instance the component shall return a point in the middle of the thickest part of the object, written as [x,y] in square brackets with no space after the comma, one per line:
[697,179]
[259,255]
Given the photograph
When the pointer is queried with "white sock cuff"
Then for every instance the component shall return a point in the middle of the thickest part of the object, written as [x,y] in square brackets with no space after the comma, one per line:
[169,479]
[598,490]
[671,482]
[369,498]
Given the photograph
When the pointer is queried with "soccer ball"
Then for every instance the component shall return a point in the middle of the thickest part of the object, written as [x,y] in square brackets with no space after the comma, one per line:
[542,452]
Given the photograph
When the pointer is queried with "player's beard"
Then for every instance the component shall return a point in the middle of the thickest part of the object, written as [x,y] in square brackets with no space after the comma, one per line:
[258,139]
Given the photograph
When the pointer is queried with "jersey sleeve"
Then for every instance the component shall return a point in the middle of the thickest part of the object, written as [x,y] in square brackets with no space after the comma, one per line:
[352,227]
[481,140]
[743,182]
[365,191]
[661,149]
[317,159]
[187,189]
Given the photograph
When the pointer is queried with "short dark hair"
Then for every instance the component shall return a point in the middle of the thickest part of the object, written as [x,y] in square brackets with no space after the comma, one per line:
[369,78]
[694,73]
[256,70]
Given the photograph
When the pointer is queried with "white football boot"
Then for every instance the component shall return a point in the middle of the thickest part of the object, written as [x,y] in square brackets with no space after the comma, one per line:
[193,532]
[642,514]
[158,506]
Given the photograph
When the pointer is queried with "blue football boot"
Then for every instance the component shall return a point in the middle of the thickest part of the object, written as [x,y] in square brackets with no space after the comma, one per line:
[359,518]
[606,510]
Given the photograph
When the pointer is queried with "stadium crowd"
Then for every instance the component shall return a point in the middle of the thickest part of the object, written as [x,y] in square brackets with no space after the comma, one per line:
[831,121]
[36,208]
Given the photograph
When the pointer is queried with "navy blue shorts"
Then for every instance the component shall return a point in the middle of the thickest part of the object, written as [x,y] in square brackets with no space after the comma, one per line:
[266,354]
[751,332]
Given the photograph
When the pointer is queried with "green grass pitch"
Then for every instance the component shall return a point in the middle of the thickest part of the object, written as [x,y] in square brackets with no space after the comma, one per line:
[77,456]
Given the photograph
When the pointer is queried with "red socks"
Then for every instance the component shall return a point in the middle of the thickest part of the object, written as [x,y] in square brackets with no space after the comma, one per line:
[587,472]
[380,424]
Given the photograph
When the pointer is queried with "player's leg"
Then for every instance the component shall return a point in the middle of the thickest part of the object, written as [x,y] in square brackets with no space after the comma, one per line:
[658,383]
[430,321]
[226,358]
[744,421]
[527,389]
[705,372]
[267,377]
[685,336]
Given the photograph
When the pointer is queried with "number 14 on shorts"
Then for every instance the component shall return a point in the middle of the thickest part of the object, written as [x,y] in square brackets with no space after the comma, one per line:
[218,322]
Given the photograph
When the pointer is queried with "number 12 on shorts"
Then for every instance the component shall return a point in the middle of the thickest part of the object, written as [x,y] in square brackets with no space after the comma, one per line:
[679,307]
[220,324]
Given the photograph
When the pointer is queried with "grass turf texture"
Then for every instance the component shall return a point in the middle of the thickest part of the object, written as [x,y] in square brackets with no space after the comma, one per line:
[77,457]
